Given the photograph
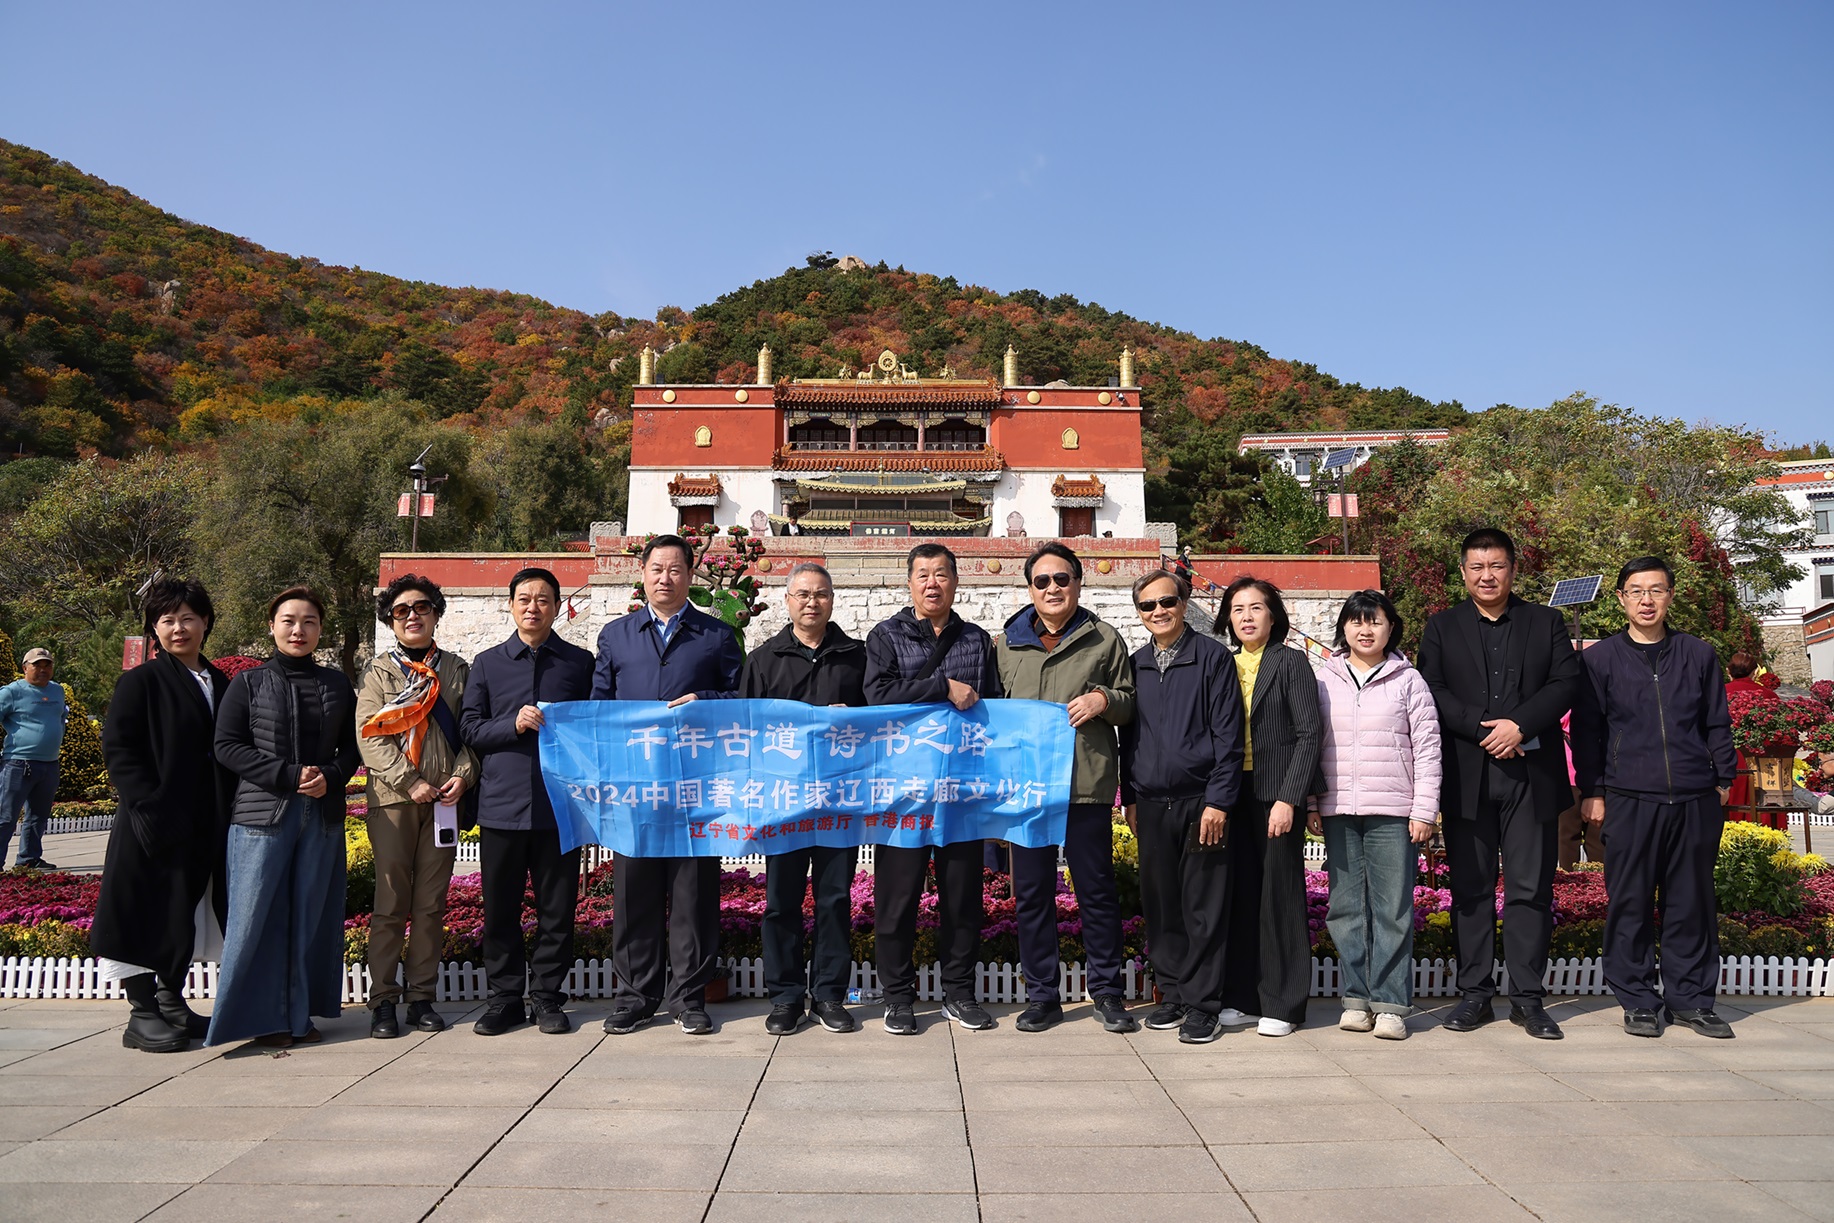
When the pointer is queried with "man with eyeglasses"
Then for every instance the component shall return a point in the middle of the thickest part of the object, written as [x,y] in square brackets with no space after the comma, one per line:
[519,840]
[813,661]
[1057,650]
[1652,748]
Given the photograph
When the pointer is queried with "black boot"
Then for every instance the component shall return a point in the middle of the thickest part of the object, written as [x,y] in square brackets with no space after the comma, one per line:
[147,1029]
[173,1007]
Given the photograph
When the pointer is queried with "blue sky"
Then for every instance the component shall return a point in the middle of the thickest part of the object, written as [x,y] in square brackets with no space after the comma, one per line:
[1480,202]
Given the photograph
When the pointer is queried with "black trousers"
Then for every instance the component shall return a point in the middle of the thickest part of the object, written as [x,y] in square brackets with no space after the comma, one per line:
[511,860]
[1662,852]
[897,887]
[1186,899]
[1507,825]
[1267,961]
[786,945]
[1089,852]
[665,930]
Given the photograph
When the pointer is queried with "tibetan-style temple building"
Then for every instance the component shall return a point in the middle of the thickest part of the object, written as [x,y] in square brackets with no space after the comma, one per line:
[889,452]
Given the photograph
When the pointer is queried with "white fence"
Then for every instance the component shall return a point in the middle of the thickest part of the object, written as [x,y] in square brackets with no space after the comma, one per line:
[38,977]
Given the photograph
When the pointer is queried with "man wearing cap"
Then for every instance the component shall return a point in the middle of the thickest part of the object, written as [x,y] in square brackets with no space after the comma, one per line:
[32,713]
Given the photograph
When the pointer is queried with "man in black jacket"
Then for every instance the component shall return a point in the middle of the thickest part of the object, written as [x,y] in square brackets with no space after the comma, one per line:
[519,840]
[1652,748]
[1181,773]
[1503,673]
[924,654]
[811,660]
[666,650]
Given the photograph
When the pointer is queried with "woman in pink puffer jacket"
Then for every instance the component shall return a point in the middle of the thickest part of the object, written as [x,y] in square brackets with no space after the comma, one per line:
[1381,765]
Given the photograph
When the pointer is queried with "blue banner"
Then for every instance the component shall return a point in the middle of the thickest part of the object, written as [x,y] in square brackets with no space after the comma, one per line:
[732,777]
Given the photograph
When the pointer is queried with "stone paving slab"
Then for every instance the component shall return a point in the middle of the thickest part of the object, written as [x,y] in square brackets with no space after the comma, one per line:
[948,1125]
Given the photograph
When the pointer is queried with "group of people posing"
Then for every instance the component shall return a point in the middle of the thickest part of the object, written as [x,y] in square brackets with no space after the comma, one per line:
[232,804]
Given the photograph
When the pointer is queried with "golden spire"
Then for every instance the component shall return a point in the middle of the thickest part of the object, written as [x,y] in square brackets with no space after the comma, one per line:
[764,366]
[1127,367]
[646,367]
[1012,366]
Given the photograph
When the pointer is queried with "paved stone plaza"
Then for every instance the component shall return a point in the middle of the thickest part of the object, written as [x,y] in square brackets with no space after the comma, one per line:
[1071,1124]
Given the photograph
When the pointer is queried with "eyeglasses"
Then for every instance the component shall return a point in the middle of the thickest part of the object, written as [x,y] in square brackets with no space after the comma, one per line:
[1636,594]
[1163,602]
[1042,581]
[808,596]
[401,611]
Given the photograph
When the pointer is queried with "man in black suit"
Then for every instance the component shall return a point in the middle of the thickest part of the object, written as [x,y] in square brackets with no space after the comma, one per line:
[1503,673]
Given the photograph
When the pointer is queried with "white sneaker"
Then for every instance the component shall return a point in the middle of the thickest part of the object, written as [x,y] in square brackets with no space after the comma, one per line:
[1275,1027]
[1356,1021]
[1389,1026]
[1229,1017]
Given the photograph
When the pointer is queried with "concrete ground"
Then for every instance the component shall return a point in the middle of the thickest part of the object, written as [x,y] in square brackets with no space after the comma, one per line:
[950,1125]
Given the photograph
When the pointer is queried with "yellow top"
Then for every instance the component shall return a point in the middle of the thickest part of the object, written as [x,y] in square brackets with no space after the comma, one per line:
[1247,666]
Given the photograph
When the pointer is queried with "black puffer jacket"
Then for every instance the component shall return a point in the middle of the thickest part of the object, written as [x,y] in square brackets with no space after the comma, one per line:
[898,648]
[277,718]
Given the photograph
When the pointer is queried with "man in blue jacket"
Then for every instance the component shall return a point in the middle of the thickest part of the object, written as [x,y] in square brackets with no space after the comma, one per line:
[1652,750]
[666,650]
[33,713]
[518,837]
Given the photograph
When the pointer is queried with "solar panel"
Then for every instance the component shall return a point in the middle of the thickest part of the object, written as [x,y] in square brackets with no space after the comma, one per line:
[1339,458]
[1571,592]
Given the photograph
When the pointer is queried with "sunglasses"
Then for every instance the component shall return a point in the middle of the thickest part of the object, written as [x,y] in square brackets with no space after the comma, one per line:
[419,607]
[1043,580]
[1164,602]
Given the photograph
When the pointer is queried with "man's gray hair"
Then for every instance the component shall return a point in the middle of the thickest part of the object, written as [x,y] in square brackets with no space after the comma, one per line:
[809,567]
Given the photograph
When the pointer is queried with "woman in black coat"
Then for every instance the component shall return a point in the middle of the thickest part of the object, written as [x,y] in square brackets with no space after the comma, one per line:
[1268,964]
[165,852]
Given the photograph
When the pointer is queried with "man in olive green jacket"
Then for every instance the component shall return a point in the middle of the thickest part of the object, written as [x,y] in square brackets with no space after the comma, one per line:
[415,762]
[1057,650]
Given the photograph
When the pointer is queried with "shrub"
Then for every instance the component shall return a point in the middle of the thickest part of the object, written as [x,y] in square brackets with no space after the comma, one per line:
[360,862]
[1758,872]
[1578,940]
[80,771]
[51,939]
[1127,869]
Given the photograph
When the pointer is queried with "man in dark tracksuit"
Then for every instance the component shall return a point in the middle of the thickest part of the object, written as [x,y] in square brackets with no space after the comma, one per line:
[1181,773]
[666,650]
[1503,673]
[519,840]
[924,654]
[1652,747]
[814,662]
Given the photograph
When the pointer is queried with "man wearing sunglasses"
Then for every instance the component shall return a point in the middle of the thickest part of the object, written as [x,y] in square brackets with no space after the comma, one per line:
[1057,650]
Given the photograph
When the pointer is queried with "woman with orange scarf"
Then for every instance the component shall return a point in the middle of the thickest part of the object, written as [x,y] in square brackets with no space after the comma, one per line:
[407,719]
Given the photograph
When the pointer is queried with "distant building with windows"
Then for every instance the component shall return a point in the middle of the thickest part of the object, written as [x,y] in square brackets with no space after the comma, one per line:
[1808,486]
[887,451]
[1301,455]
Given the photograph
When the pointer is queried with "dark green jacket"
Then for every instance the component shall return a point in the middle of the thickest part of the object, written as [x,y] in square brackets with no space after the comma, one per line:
[1091,657]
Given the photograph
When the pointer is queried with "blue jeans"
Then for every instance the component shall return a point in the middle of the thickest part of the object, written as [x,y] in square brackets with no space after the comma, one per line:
[283,949]
[1372,865]
[28,787]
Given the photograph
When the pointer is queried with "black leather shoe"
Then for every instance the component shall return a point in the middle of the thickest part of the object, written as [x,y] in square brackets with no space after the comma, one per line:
[499,1018]
[694,1022]
[382,1022]
[148,1031]
[1039,1016]
[1113,1014]
[971,1015]
[1166,1016]
[551,1020]
[1642,1022]
[1535,1020]
[627,1019]
[1469,1015]
[784,1018]
[901,1019]
[423,1018]
[172,1005]
[1705,1021]
[834,1017]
